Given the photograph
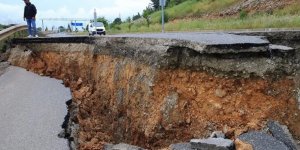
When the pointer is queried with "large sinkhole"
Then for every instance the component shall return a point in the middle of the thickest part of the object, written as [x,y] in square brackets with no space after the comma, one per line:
[119,98]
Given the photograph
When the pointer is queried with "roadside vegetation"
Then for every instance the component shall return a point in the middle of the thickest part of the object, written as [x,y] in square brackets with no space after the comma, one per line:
[196,15]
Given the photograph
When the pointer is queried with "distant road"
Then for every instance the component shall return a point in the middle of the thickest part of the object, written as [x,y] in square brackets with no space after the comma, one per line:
[32,108]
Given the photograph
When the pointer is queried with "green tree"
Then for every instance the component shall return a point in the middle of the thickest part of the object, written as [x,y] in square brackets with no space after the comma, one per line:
[146,14]
[174,2]
[166,18]
[138,16]
[117,21]
[61,29]
[103,20]
[128,20]
[155,4]
[39,29]
[69,28]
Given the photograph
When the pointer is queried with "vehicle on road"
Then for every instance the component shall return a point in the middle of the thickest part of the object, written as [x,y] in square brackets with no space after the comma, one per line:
[95,28]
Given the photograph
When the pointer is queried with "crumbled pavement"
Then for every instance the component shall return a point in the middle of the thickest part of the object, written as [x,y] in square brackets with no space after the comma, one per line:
[282,134]
[212,144]
[3,66]
[121,146]
[181,146]
[262,141]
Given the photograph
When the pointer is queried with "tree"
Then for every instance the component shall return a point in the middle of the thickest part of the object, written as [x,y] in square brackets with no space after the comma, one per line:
[39,29]
[69,28]
[146,14]
[128,20]
[61,29]
[174,2]
[155,4]
[117,21]
[138,16]
[103,20]
[46,29]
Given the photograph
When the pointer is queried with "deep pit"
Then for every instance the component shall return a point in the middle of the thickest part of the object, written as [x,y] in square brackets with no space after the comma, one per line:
[146,93]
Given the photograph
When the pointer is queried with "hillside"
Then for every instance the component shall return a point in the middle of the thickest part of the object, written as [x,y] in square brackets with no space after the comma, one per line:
[194,15]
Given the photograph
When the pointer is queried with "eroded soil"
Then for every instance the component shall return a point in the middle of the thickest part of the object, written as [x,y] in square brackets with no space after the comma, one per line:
[121,100]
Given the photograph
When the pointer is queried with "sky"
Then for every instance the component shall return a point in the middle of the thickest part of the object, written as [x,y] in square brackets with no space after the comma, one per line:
[11,11]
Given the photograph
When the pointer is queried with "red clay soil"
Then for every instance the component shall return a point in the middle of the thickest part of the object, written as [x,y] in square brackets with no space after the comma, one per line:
[121,100]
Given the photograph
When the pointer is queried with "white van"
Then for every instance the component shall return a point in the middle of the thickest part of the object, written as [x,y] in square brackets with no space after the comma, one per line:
[96,28]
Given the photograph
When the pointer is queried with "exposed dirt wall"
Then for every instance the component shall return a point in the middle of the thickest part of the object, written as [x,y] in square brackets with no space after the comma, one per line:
[124,100]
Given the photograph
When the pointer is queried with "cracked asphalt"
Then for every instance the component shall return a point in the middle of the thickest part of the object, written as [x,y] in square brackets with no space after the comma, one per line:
[32,108]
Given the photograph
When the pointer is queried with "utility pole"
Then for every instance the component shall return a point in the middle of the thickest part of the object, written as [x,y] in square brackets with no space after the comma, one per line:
[162,3]
[95,17]
[43,29]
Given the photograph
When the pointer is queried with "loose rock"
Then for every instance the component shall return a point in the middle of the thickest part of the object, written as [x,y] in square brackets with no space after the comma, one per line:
[262,141]
[282,134]
[181,146]
[212,144]
[220,93]
[240,145]
[217,134]
[121,146]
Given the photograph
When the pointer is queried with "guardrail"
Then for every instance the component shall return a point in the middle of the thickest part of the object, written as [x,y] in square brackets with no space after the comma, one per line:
[11,30]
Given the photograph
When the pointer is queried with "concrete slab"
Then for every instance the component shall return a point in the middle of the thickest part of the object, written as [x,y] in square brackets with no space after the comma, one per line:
[32,108]
[262,141]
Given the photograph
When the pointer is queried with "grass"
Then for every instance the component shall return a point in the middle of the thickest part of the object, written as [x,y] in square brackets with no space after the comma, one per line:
[251,22]
[193,8]
[187,17]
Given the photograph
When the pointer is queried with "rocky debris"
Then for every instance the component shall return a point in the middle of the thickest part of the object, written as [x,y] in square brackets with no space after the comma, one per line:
[280,50]
[181,146]
[121,146]
[216,141]
[281,133]
[217,134]
[262,141]
[3,66]
[170,102]
[220,93]
[212,144]
[70,125]
[240,145]
[298,144]
[280,47]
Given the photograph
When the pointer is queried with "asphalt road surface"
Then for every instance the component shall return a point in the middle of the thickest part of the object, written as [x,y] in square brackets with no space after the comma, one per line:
[32,108]
[202,37]
[199,37]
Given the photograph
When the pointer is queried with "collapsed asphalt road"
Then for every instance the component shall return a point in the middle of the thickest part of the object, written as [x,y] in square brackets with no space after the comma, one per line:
[32,108]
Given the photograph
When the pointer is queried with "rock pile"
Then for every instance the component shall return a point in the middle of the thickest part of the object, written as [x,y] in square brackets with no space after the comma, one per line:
[276,137]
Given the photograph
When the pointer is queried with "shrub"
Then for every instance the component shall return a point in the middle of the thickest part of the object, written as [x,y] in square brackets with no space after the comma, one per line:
[166,18]
[243,14]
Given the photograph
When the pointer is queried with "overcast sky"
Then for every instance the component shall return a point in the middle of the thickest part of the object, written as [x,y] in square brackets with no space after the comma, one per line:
[11,11]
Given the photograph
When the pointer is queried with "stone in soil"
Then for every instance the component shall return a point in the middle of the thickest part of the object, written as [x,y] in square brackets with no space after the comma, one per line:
[262,141]
[121,146]
[181,146]
[3,66]
[212,144]
[282,134]
[240,145]
[217,134]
